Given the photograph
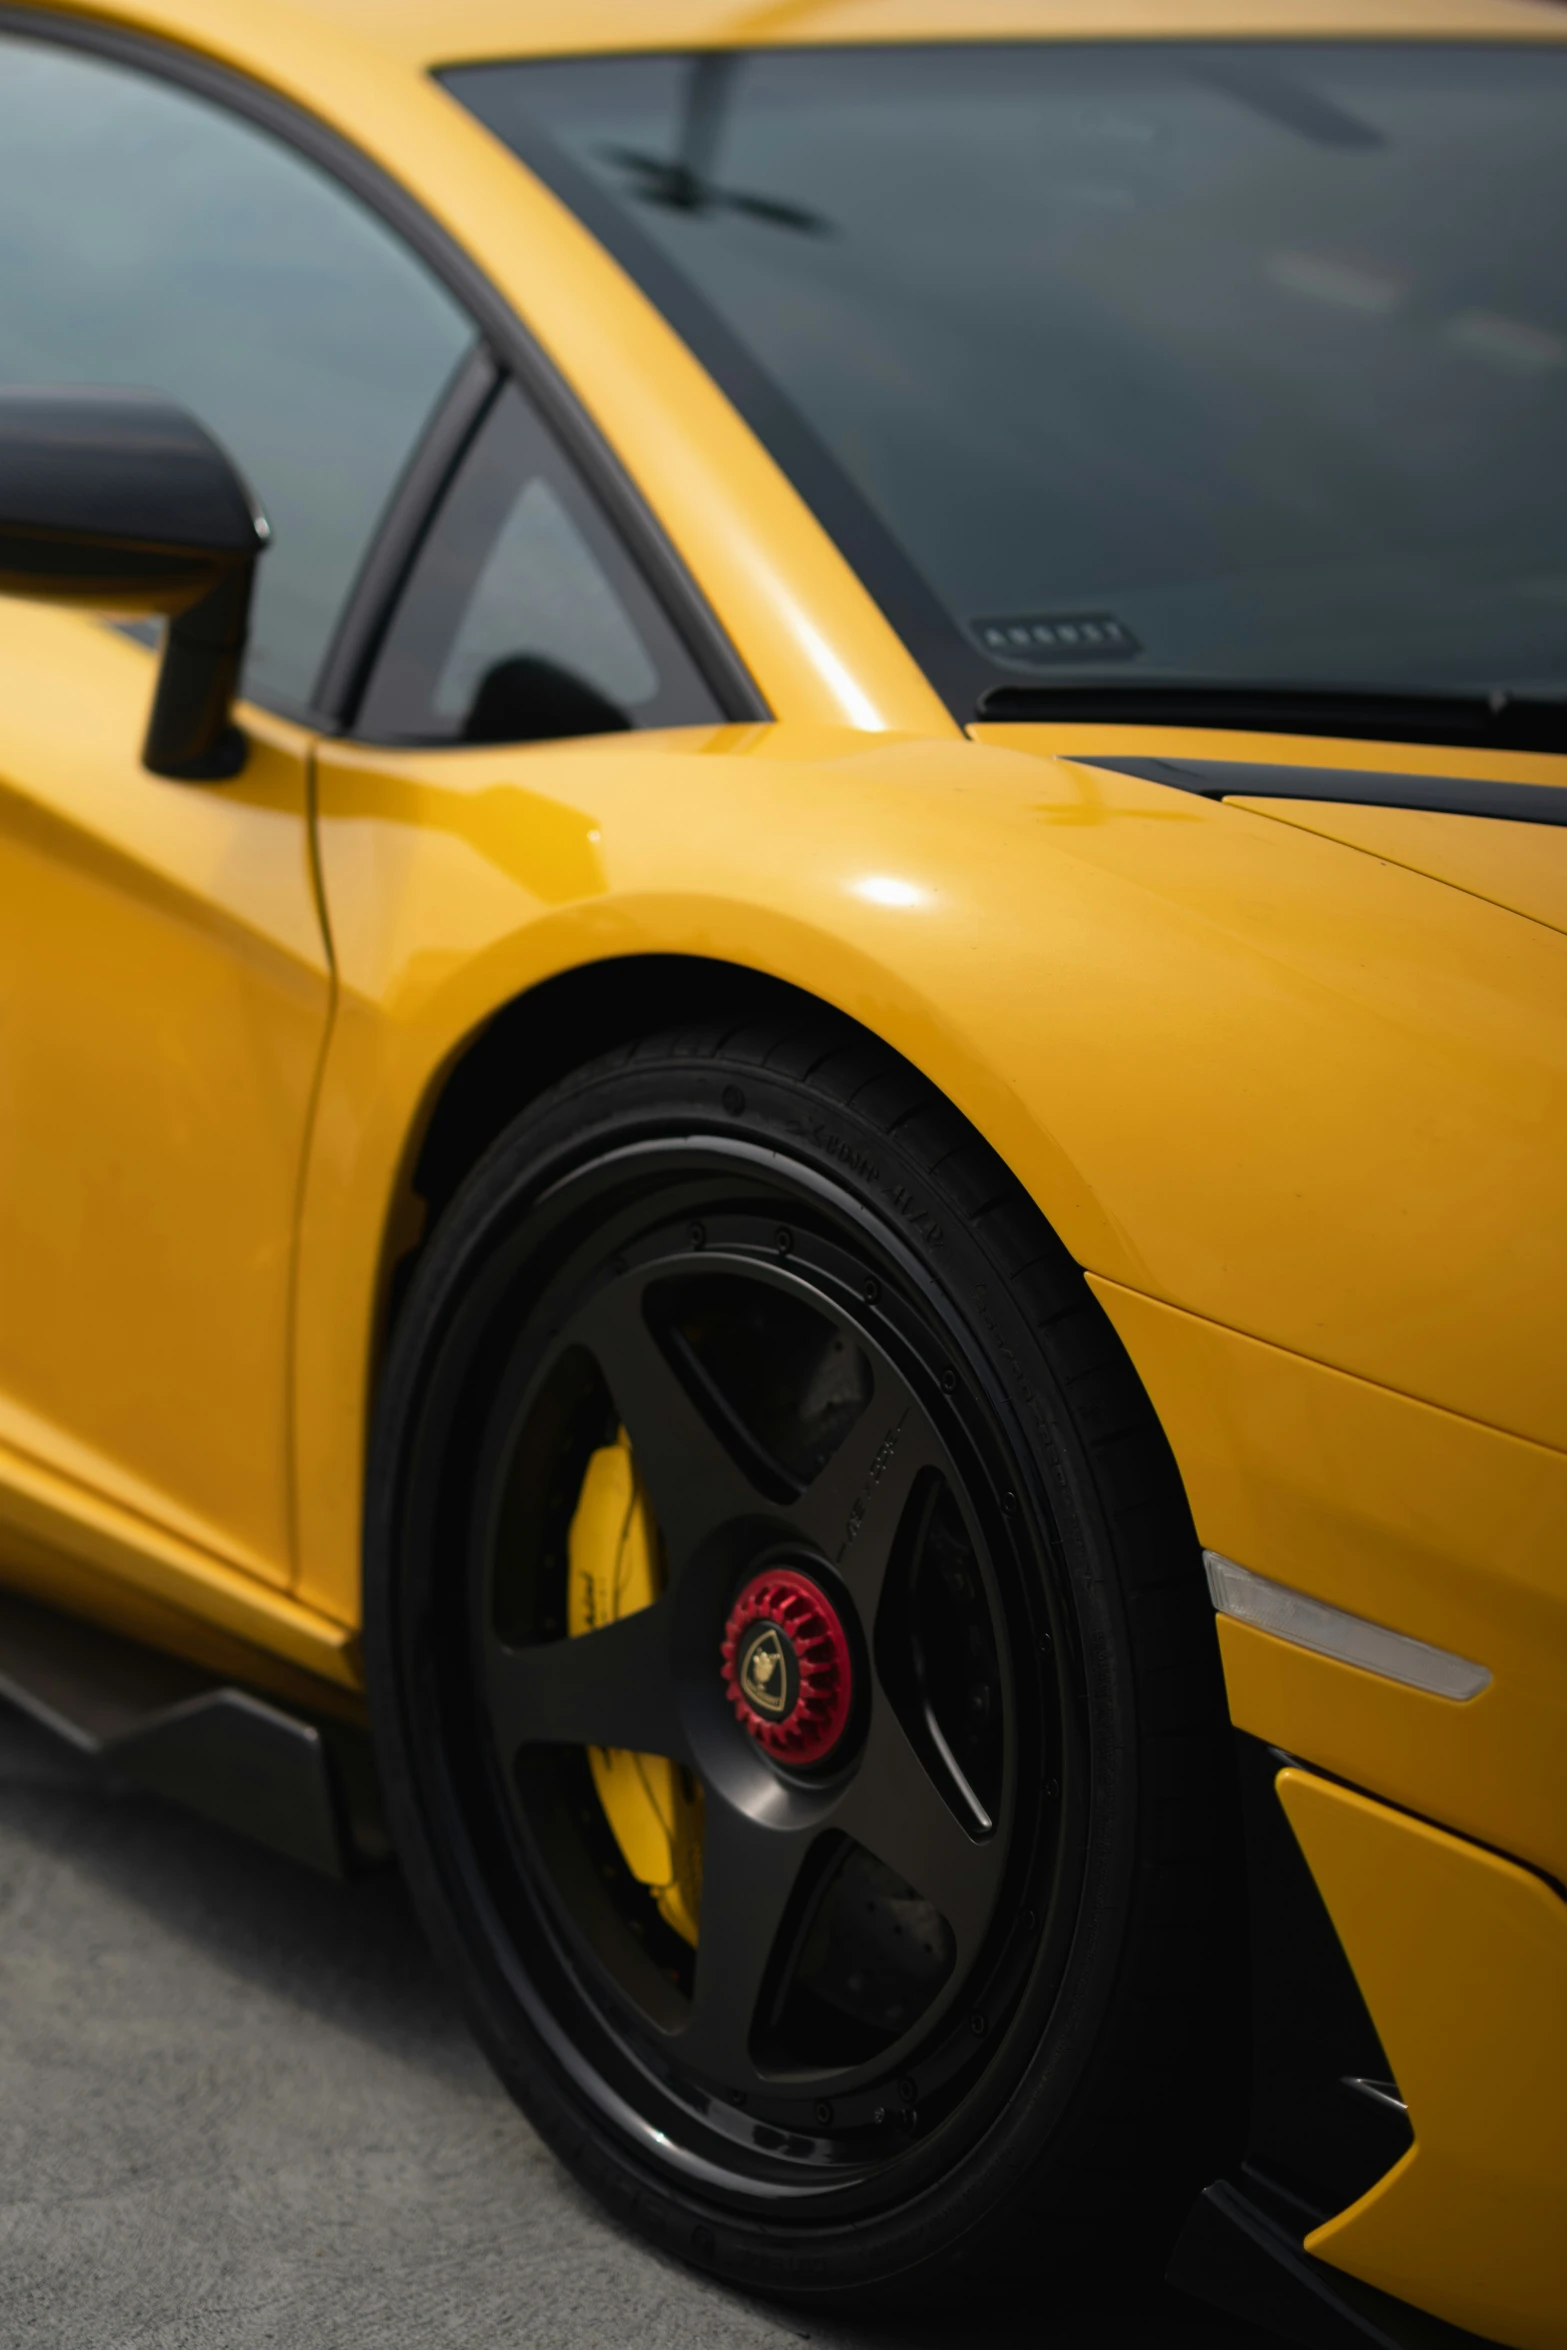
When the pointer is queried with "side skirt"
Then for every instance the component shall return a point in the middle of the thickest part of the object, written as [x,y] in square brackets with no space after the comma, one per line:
[302,1785]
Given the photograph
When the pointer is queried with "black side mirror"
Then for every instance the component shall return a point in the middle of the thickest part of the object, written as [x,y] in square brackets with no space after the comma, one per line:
[121,499]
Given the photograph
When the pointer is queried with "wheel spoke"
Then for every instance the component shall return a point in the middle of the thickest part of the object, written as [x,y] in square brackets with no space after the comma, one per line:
[854,1508]
[612,1687]
[895,1809]
[693,1483]
[749,1869]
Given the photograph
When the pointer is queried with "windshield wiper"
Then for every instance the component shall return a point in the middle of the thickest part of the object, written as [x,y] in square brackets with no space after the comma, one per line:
[1502,722]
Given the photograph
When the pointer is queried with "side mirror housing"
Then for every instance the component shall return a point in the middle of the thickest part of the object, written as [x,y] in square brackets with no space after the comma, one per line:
[120,499]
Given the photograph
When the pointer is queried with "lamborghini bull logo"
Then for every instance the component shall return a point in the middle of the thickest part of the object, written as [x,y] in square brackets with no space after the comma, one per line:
[765,1675]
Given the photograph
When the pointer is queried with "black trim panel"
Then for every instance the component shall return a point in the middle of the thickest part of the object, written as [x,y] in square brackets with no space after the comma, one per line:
[302,1784]
[1438,795]
[1238,2253]
[1478,721]
[720,665]
[1321,2139]
[1327,2119]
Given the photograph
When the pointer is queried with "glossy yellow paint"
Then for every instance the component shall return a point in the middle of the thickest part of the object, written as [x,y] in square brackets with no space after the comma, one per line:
[1462,1958]
[1442,1528]
[1162,1012]
[1364,1158]
[1523,866]
[166,994]
[427,31]
[69,1545]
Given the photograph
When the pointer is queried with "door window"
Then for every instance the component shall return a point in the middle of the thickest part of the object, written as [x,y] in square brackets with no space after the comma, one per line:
[524,619]
[151,239]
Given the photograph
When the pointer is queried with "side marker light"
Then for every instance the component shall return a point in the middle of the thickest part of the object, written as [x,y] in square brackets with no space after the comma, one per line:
[1332,1631]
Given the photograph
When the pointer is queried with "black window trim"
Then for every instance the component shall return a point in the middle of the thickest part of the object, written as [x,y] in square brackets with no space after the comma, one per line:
[504,346]
[410,515]
[475,399]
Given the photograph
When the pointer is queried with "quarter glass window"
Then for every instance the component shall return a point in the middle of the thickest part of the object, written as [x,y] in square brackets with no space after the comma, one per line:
[150,239]
[523,618]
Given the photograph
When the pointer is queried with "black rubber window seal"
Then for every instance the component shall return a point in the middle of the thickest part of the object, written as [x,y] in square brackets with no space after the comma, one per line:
[1437,795]
[406,523]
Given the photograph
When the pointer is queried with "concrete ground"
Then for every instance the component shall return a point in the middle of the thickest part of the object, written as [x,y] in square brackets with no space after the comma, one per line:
[238,2107]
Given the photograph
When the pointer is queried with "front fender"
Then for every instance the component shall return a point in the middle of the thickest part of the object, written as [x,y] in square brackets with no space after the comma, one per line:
[1245,1071]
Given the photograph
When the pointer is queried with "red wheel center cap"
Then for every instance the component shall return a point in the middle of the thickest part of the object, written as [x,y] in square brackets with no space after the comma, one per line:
[787,1667]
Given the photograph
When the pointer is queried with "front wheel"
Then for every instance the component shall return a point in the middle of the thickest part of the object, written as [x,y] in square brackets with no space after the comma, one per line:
[797,1705]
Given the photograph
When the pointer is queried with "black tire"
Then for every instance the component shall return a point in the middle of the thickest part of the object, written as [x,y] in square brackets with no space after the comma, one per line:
[1069,2079]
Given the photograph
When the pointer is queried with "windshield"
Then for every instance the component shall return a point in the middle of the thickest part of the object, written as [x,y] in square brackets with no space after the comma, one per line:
[1121,363]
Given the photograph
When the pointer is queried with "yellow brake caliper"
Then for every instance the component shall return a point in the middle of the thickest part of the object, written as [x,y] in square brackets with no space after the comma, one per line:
[654,1810]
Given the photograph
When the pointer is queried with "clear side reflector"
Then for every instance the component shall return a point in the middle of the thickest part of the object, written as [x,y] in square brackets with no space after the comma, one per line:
[1311,1623]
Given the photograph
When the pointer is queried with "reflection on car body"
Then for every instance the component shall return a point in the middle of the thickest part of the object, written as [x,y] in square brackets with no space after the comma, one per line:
[783,856]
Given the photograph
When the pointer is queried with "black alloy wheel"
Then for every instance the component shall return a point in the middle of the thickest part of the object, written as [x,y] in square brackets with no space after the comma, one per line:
[928,1654]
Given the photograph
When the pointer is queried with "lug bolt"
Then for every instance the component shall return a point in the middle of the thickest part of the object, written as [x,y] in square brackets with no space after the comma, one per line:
[785,1240]
[823,2112]
[906,2089]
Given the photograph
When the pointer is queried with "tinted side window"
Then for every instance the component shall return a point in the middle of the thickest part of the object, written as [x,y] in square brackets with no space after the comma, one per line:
[151,239]
[524,619]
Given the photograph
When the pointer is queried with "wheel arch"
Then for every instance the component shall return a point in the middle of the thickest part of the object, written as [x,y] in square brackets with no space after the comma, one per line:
[540,1034]
[543,1032]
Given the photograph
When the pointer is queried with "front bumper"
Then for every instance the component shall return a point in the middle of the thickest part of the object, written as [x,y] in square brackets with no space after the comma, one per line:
[1462,1959]
[1453,1533]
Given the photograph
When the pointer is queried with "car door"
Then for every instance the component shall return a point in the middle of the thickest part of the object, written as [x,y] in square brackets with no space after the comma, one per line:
[165,978]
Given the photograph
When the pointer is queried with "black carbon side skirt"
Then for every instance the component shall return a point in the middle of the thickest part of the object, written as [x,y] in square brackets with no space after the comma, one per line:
[302,1785]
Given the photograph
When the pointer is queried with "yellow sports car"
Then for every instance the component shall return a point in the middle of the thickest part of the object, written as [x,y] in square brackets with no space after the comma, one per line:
[783,1041]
